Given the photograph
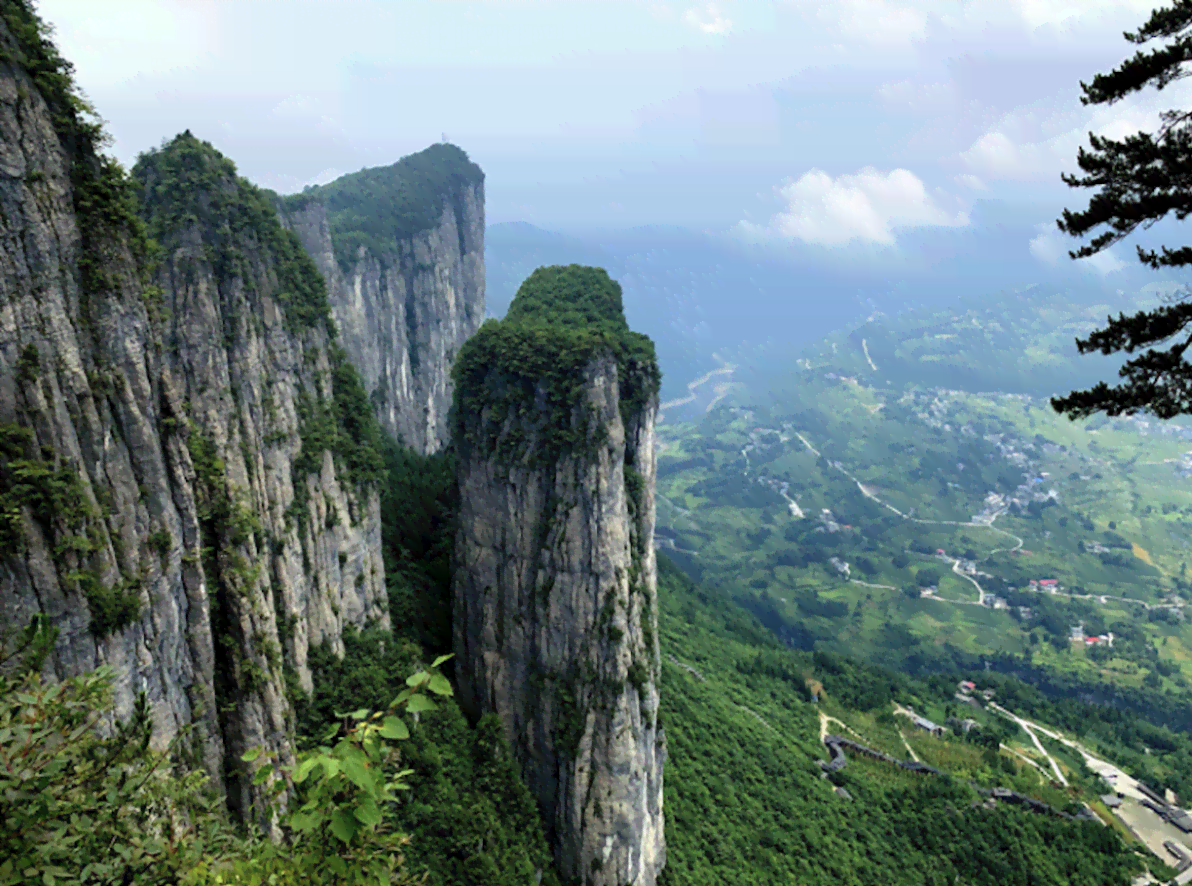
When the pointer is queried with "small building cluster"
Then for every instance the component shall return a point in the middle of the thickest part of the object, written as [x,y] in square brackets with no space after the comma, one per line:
[968,687]
[1078,636]
[967,725]
[927,726]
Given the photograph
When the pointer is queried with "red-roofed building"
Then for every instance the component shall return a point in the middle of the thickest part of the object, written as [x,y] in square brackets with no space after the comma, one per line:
[939,550]
[1049,582]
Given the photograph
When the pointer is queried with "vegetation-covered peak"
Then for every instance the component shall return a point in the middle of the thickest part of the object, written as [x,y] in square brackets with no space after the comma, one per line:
[374,207]
[177,178]
[562,317]
[187,182]
[571,296]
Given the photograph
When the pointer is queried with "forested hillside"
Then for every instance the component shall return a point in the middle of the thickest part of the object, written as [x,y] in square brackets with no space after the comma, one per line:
[747,803]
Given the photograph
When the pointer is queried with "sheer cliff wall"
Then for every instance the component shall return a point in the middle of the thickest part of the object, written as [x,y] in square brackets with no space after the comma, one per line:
[555,597]
[402,250]
[188,489]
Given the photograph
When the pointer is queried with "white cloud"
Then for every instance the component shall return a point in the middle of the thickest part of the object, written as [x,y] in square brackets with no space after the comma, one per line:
[116,40]
[1047,245]
[918,95]
[972,182]
[709,19]
[1035,144]
[878,21]
[1105,262]
[1000,157]
[1040,13]
[1051,247]
[867,207]
[874,22]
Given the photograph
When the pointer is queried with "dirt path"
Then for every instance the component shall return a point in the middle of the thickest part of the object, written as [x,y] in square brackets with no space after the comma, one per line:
[796,511]
[868,359]
[1040,771]
[825,720]
[1028,727]
[906,712]
[867,584]
[980,591]
[909,749]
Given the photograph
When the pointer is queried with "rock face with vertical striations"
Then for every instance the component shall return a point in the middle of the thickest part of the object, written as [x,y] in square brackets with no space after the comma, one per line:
[555,600]
[402,250]
[188,465]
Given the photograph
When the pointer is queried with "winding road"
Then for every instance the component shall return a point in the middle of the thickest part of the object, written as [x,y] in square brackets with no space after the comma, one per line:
[869,494]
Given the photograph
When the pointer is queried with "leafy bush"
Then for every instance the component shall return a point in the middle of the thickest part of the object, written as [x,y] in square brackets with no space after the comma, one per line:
[82,808]
[471,820]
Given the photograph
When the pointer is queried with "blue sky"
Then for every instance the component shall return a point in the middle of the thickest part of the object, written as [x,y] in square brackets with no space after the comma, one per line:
[830,126]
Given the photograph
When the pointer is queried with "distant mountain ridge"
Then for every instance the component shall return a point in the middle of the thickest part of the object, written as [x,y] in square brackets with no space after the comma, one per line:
[699,293]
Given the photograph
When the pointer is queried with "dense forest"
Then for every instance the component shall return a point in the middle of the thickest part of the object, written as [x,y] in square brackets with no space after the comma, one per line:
[747,804]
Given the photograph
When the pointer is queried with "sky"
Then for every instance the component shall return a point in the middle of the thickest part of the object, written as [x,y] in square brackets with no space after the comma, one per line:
[831,126]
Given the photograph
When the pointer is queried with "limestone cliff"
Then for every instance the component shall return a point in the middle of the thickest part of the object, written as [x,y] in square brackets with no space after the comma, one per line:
[402,250]
[186,490]
[555,599]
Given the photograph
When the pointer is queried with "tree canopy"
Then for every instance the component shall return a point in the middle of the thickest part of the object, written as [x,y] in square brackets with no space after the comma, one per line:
[1141,179]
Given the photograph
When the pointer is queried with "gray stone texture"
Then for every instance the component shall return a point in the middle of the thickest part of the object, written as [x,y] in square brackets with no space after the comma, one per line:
[403,315]
[116,397]
[554,625]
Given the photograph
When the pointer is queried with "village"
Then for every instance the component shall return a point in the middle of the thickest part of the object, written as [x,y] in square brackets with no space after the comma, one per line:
[932,409]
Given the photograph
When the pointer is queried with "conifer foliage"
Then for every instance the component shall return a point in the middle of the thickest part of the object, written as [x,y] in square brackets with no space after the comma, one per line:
[1141,179]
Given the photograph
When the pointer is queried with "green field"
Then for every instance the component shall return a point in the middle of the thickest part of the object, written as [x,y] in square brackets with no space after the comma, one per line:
[883,473]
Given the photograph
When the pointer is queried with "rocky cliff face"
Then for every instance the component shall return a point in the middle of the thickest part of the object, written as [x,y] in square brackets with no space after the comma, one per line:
[402,250]
[555,599]
[180,495]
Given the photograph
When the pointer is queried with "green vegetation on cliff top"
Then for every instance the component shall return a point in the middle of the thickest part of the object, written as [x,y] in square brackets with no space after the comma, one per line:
[375,207]
[561,319]
[188,182]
